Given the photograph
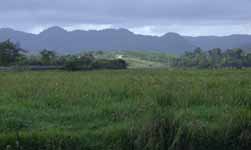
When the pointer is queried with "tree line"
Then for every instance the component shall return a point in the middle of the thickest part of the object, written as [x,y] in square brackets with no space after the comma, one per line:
[215,58]
[12,55]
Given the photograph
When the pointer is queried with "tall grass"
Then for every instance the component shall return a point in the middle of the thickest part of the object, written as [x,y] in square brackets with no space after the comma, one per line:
[128,109]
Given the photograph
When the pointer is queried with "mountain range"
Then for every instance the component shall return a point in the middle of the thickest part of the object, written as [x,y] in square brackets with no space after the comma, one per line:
[62,41]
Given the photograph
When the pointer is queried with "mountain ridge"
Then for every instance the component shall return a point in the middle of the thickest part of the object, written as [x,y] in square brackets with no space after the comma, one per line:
[63,41]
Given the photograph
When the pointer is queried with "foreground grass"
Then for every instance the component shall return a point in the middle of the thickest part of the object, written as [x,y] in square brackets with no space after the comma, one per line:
[130,109]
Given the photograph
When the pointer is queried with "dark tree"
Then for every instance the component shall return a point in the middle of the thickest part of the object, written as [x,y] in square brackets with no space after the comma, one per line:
[48,57]
[233,58]
[10,53]
[215,58]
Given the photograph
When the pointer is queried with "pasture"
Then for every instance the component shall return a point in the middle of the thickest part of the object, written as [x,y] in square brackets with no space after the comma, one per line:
[135,109]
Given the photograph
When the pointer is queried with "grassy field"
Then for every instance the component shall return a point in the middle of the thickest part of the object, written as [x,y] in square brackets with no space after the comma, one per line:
[141,109]
[139,59]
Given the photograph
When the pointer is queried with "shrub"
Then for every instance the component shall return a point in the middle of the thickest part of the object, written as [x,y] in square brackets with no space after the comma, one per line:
[110,64]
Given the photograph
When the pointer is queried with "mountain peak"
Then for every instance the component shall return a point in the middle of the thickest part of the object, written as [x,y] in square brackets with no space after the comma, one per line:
[58,39]
[54,30]
[121,30]
[171,34]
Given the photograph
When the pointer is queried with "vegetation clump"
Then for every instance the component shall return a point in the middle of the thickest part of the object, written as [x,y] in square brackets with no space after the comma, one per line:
[215,58]
[11,55]
[140,109]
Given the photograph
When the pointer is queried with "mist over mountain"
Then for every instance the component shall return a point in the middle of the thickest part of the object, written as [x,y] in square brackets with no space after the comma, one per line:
[62,41]
[223,42]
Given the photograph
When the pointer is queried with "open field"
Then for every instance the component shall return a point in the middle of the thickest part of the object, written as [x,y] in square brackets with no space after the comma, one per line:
[141,109]
[139,59]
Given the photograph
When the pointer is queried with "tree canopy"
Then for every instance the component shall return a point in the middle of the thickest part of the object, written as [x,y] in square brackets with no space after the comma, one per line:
[215,58]
[10,53]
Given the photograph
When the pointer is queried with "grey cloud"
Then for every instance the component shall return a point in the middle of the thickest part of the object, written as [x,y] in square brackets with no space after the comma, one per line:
[129,13]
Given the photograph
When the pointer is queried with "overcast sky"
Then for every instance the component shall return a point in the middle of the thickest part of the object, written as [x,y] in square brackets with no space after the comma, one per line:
[154,17]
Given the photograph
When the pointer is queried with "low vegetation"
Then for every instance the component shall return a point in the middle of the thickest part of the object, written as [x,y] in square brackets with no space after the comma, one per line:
[126,109]
[133,109]
[138,59]
[215,58]
[12,55]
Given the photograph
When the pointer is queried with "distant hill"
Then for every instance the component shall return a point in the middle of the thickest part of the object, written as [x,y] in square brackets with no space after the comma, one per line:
[223,42]
[62,41]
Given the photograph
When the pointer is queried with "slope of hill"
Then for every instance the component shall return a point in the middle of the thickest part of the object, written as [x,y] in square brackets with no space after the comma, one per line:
[58,39]
[224,42]
[62,41]
[138,59]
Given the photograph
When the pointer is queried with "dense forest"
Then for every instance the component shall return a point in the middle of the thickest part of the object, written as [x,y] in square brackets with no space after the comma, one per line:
[215,58]
[12,55]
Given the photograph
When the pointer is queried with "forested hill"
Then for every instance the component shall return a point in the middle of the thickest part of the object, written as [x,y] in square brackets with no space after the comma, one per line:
[58,39]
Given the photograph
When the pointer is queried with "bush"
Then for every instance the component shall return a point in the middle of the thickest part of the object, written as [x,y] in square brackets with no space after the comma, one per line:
[88,62]
[110,64]
[84,62]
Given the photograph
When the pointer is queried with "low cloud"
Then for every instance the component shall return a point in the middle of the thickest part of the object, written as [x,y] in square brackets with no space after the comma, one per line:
[141,16]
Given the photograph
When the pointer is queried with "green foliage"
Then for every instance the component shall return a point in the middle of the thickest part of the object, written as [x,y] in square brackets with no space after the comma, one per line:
[234,58]
[126,109]
[48,57]
[83,62]
[88,62]
[138,59]
[110,64]
[10,53]
[247,61]
[215,58]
